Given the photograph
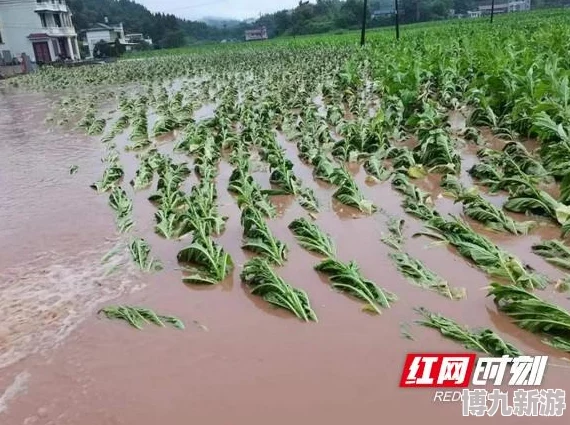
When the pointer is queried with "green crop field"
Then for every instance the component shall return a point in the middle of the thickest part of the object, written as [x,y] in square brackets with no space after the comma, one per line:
[216,115]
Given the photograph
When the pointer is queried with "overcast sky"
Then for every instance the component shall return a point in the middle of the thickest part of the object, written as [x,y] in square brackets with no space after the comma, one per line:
[239,9]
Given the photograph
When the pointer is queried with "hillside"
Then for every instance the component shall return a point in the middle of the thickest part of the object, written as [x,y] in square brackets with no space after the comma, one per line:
[318,16]
[220,22]
[165,30]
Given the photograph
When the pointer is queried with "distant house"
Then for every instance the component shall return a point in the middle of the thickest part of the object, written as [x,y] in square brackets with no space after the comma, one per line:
[137,38]
[507,7]
[103,32]
[256,34]
[381,13]
[42,29]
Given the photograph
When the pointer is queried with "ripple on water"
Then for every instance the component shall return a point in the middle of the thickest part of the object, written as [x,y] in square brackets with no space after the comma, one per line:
[42,300]
[53,231]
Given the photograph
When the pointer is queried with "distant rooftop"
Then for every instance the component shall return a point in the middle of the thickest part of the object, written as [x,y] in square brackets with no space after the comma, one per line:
[99,26]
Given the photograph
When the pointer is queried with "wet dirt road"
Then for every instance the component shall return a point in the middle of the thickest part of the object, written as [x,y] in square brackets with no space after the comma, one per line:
[238,361]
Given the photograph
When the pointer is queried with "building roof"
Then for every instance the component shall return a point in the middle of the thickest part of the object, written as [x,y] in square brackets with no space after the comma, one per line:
[102,27]
[497,6]
[122,43]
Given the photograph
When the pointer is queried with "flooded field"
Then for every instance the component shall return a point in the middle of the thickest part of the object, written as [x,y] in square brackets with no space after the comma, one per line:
[239,361]
[129,183]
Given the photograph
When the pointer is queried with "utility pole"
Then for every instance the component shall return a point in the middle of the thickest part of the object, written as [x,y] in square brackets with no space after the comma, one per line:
[397,10]
[492,10]
[363,34]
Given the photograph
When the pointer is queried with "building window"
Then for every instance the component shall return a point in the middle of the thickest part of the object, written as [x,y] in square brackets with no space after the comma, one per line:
[43,19]
[1,41]
[57,19]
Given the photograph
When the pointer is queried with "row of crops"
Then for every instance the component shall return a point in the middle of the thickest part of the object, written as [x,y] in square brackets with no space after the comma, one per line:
[385,108]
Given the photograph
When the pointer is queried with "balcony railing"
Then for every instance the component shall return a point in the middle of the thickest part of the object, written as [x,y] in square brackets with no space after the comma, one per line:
[51,6]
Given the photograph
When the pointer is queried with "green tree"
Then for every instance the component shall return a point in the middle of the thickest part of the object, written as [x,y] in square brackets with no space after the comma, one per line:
[118,48]
[102,49]
[142,46]
[172,38]
[463,6]
[351,14]
[282,22]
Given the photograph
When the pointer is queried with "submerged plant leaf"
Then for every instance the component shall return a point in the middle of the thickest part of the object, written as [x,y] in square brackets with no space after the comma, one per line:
[308,200]
[123,207]
[312,238]
[282,177]
[532,313]
[416,201]
[418,274]
[406,332]
[554,252]
[436,151]
[478,208]
[484,340]
[263,281]
[214,264]
[349,194]
[259,239]
[324,169]
[140,316]
[111,178]
[172,225]
[248,191]
[140,253]
[138,145]
[563,285]
[395,238]
[347,278]
[525,197]
[114,251]
[143,177]
[164,125]
[484,253]
[374,168]
[88,119]
[97,127]
[417,172]
[558,343]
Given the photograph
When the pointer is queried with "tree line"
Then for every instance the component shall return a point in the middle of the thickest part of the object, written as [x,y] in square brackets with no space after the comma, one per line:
[169,31]
[166,30]
[335,15]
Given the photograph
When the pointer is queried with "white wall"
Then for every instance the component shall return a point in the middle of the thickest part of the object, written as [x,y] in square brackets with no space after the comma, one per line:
[19,21]
[94,37]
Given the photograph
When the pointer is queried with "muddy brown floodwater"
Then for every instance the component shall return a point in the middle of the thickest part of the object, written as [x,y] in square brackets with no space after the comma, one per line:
[239,361]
